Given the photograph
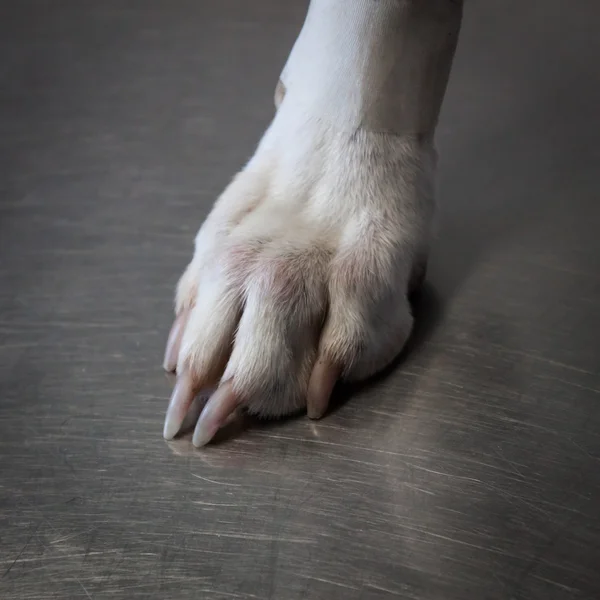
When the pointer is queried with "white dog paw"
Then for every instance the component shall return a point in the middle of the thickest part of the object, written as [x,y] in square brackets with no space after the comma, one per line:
[301,272]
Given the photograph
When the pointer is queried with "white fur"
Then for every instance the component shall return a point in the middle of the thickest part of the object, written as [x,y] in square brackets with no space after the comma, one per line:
[385,62]
[310,250]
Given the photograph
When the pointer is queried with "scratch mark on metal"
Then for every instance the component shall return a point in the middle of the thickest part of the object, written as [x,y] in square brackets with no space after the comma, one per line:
[216,482]
[84,588]
[14,562]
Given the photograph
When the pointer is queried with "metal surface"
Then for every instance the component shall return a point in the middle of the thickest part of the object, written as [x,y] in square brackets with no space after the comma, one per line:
[472,471]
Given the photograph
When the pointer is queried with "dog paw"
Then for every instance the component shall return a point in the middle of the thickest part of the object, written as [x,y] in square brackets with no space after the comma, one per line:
[301,273]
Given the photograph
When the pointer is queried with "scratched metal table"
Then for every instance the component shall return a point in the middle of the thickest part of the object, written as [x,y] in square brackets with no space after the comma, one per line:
[471,471]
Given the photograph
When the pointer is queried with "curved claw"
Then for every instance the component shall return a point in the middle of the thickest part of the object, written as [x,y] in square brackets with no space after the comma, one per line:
[181,399]
[322,381]
[215,414]
[174,341]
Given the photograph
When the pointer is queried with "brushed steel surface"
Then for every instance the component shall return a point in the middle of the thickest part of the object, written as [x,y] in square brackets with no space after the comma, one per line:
[471,471]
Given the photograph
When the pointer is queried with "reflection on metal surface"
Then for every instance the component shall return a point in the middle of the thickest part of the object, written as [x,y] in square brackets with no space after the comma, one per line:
[470,470]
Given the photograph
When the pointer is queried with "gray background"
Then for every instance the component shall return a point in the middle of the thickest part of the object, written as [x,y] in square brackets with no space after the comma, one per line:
[472,471]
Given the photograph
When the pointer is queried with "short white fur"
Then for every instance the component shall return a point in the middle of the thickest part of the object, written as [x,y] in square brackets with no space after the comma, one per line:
[311,249]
